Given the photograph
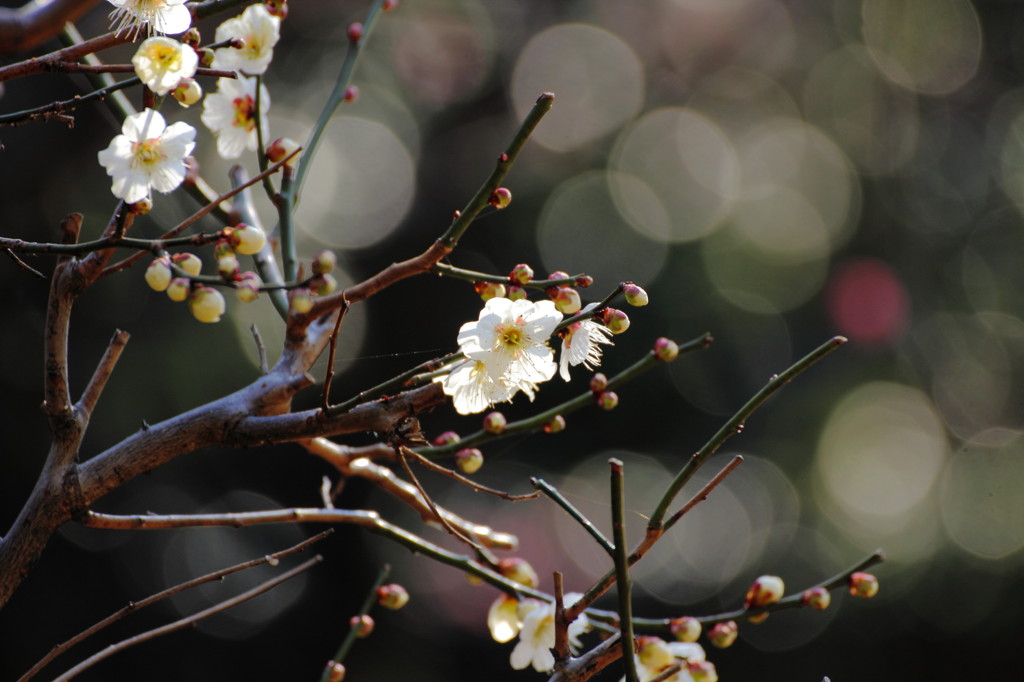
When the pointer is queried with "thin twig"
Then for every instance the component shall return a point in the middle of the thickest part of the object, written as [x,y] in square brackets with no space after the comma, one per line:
[543,486]
[23,265]
[561,627]
[189,620]
[134,606]
[261,349]
[434,466]
[353,630]
[623,582]
[329,376]
[92,392]
[400,451]
[703,493]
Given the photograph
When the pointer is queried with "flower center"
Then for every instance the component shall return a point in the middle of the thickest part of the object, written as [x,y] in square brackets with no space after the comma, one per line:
[245,108]
[147,152]
[510,335]
[166,57]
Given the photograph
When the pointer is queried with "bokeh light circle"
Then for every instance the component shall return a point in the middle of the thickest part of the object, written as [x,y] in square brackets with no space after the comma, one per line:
[868,303]
[690,165]
[597,79]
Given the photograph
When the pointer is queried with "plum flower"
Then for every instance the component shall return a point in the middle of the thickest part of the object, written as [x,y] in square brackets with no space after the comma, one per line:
[657,656]
[581,344]
[473,389]
[503,619]
[147,154]
[258,30]
[161,63]
[160,16]
[537,634]
[511,339]
[230,113]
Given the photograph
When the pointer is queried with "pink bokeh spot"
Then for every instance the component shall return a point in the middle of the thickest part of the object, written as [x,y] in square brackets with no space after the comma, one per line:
[867,302]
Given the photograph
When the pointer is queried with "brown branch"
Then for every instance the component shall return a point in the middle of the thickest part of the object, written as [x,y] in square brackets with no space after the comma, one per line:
[589,664]
[190,620]
[434,512]
[434,466]
[329,376]
[22,264]
[42,64]
[92,392]
[37,21]
[135,606]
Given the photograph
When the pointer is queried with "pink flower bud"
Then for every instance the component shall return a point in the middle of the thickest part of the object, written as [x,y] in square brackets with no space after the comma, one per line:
[723,635]
[817,598]
[392,596]
[351,93]
[686,629]
[555,424]
[518,570]
[495,422]
[567,300]
[521,274]
[188,262]
[446,438]
[515,293]
[363,625]
[767,589]
[158,274]
[616,320]
[205,58]
[389,5]
[863,585]
[702,671]
[469,460]
[247,288]
[635,296]
[500,198]
[489,290]
[277,8]
[598,383]
[335,672]
[607,400]
[666,350]
[228,267]
[584,281]
[355,32]
[142,206]
[191,37]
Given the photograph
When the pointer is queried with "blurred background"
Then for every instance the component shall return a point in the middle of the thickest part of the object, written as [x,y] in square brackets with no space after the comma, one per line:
[773,172]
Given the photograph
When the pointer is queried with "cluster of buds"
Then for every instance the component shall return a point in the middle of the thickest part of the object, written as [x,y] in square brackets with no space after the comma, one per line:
[606,400]
[321,284]
[207,304]
[657,656]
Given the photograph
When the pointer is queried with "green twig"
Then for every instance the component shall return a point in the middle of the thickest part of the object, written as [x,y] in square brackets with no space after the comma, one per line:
[559,499]
[353,631]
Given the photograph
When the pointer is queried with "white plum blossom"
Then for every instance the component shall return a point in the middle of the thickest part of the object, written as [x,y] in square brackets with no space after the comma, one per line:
[581,344]
[259,32]
[161,63]
[148,154]
[230,113]
[537,634]
[473,389]
[503,619]
[685,652]
[151,16]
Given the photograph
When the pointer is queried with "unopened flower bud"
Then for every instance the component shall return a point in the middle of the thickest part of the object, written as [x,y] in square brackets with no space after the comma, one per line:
[324,262]
[355,32]
[686,629]
[515,293]
[567,300]
[446,438]
[392,596]
[489,290]
[178,289]
[758,618]
[158,274]
[247,288]
[666,350]
[584,281]
[702,671]
[607,400]
[324,284]
[817,598]
[227,267]
[280,149]
[205,57]
[187,92]
[142,206]
[767,589]
[500,198]
[469,460]
[207,304]
[223,248]
[616,320]
[191,37]
[598,382]
[555,424]
[521,274]
[654,653]
[518,570]
[335,672]
[276,8]
[301,300]
[863,585]
[189,262]
[723,635]
[363,625]
[635,296]
[559,274]
[351,93]
[495,422]
[248,239]
[389,5]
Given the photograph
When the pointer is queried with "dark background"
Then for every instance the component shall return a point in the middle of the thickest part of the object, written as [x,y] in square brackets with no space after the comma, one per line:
[773,172]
